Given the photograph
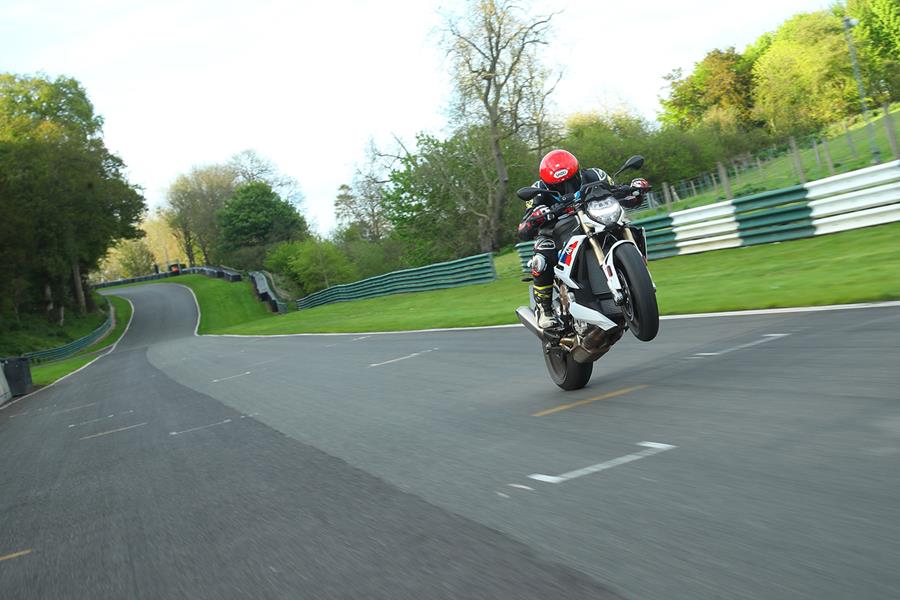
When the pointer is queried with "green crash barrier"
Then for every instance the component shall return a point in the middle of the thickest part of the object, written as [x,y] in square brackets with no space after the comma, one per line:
[71,348]
[465,271]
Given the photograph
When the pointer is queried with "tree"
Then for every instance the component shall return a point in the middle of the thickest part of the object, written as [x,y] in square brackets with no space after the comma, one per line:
[804,80]
[495,66]
[719,88]
[195,200]
[250,167]
[312,264]
[68,193]
[135,258]
[253,219]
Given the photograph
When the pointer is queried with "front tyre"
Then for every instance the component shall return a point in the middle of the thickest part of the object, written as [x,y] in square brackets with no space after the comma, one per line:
[640,308]
[566,372]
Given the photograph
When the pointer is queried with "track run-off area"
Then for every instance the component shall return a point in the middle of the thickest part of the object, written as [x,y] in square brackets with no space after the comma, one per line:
[752,456]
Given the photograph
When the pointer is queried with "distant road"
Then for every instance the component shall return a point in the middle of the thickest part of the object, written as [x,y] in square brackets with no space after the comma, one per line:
[734,457]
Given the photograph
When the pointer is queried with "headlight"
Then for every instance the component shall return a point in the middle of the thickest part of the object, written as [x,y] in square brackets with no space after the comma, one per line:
[606,211]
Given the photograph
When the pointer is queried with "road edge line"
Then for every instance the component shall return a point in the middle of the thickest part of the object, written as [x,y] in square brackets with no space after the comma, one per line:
[734,313]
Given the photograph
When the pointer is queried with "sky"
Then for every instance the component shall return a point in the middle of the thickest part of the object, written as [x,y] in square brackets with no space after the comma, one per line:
[183,83]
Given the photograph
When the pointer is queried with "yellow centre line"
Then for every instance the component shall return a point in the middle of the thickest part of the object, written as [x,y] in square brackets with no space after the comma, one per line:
[562,407]
[14,555]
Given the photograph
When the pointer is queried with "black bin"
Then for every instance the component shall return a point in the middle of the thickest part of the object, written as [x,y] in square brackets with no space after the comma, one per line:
[18,375]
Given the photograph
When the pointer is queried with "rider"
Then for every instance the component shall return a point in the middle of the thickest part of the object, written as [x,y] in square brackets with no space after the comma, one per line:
[559,173]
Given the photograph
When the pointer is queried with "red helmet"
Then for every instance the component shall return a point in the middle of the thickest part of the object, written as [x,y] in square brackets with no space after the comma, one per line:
[558,166]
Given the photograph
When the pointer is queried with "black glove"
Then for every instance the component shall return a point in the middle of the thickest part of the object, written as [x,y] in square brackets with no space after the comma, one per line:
[538,216]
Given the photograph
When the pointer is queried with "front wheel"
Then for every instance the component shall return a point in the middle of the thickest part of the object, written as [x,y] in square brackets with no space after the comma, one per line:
[566,372]
[640,308]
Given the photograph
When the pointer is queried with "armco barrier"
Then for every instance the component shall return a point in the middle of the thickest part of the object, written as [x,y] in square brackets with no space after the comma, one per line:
[465,271]
[133,280]
[72,347]
[861,198]
[265,292]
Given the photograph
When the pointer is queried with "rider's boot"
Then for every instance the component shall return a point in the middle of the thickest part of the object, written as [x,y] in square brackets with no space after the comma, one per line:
[543,297]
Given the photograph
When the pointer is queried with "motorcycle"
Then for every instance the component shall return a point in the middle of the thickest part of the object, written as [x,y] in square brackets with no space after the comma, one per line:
[602,286]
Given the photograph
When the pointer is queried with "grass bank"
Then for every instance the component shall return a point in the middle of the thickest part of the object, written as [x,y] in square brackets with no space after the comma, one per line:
[34,332]
[47,373]
[854,266]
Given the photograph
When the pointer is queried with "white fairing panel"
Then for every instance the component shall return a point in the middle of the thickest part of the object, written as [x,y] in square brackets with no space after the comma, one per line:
[588,315]
[567,256]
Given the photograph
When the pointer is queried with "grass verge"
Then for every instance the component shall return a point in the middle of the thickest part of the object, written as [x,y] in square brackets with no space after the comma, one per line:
[853,266]
[47,373]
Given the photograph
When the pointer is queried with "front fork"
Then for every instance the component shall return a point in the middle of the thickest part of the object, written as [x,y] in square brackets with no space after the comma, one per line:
[612,278]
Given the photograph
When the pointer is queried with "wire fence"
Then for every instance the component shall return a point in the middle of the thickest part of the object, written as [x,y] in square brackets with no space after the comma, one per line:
[794,161]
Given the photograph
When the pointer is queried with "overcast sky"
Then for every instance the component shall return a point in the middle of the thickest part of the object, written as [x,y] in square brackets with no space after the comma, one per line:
[307,84]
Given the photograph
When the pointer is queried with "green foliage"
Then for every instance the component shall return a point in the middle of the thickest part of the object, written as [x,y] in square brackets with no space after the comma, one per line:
[135,258]
[311,265]
[253,219]
[63,196]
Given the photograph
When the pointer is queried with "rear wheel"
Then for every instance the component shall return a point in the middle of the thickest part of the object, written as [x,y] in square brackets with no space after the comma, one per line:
[564,371]
[640,308]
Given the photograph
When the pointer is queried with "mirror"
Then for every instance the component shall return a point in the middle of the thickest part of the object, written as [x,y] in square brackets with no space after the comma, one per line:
[527,193]
[635,162]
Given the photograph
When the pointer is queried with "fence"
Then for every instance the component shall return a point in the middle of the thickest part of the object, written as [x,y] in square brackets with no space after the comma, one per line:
[794,161]
[465,271]
[128,280]
[266,293]
[72,347]
[218,272]
[861,198]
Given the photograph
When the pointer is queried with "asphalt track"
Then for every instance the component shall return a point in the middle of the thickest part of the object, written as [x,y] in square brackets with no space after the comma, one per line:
[397,466]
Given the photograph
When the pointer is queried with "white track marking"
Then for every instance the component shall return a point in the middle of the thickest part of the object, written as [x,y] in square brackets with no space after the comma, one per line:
[769,337]
[65,410]
[231,377]
[91,421]
[365,337]
[652,448]
[413,355]
[734,313]
[502,495]
[250,415]
[199,428]
[87,437]
[197,304]
[520,486]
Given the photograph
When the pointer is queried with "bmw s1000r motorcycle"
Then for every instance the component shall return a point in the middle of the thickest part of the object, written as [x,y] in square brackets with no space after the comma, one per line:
[602,286]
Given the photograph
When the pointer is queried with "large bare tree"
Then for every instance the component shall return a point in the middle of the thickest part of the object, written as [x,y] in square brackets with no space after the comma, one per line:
[500,85]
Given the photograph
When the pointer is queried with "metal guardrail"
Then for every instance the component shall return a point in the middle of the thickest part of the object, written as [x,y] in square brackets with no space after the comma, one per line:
[860,198]
[71,348]
[133,280]
[225,273]
[465,271]
[265,292]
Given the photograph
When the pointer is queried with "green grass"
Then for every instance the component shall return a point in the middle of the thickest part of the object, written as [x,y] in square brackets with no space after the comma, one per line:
[33,332]
[47,373]
[780,173]
[222,303]
[854,266]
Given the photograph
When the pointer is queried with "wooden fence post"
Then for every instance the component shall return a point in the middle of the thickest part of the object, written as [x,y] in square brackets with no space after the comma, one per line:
[827,154]
[798,166]
[723,177]
[891,132]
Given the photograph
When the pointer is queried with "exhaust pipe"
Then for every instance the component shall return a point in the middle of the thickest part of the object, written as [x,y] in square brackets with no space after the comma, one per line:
[527,317]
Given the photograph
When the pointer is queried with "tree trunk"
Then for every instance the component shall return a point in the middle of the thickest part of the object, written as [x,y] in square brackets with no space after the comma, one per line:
[48,297]
[499,200]
[62,315]
[78,288]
